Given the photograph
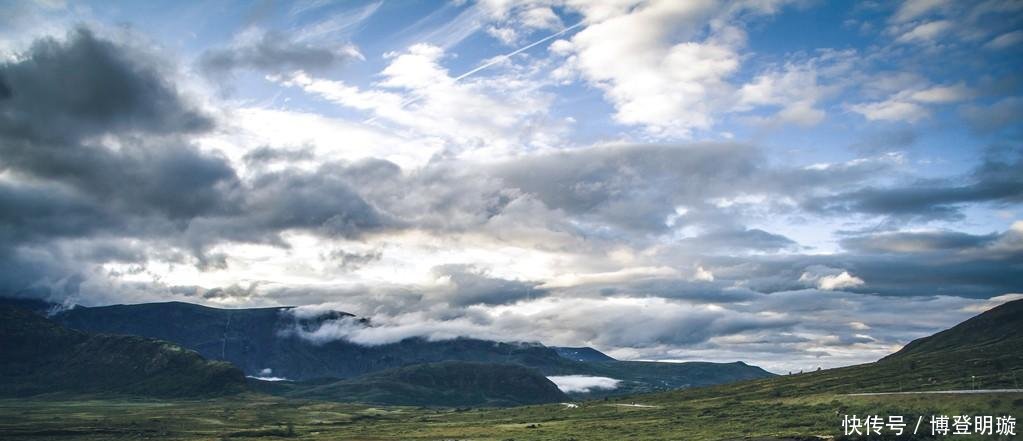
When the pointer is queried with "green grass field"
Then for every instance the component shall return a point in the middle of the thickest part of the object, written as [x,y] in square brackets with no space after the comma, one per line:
[685,415]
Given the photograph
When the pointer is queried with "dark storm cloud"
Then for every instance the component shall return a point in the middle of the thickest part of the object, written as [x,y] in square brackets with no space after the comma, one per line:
[61,91]
[473,286]
[65,94]
[62,98]
[30,213]
[325,201]
[5,90]
[267,154]
[276,53]
[98,140]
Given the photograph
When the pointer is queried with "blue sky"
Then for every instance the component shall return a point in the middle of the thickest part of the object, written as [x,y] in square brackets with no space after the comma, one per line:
[791,183]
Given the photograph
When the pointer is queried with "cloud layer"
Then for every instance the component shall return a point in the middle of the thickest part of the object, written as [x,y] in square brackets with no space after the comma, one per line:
[658,182]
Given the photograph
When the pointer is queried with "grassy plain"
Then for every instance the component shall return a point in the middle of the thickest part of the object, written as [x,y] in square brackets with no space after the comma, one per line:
[685,415]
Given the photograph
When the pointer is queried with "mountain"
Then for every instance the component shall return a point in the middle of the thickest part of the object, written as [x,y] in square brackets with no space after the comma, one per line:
[995,330]
[582,354]
[449,383]
[40,356]
[34,305]
[273,342]
[267,341]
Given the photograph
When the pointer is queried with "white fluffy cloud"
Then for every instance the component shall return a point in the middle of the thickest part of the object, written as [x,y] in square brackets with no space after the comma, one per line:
[839,281]
[829,279]
[652,67]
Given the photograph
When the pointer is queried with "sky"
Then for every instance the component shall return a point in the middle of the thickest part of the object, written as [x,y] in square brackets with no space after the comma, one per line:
[794,184]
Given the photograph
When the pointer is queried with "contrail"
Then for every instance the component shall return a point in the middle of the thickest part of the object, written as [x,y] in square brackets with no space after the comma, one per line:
[492,62]
[501,58]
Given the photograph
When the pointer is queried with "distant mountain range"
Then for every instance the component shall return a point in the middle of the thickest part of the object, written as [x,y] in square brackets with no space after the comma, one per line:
[262,342]
[40,356]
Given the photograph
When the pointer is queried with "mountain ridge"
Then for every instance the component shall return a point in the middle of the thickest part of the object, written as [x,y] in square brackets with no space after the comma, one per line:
[253,340]
[40,356]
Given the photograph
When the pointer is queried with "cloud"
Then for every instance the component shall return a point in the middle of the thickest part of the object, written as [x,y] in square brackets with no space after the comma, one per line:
[829,279]
[478,117]
[114,87]
[452,206]
[583,383]
[650,66]
[916,8]
[725,241]
[97,130]
[275,52]
[111,130]
[470,285]
[803,327]
[99,141]
[886,140]
[993,181]
[926,32]
[839,281]
[917,242]
[797,88]
[514,19]
[949,244]
[1005,41]
[910,105]
[1002,114]
[632,187]
[353,260]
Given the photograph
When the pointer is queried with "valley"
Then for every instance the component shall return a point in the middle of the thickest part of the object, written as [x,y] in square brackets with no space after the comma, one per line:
[976,355]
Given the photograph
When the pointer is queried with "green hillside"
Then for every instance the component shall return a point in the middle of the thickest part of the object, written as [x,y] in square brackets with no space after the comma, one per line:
[995,330]
[453,384]
[40,357]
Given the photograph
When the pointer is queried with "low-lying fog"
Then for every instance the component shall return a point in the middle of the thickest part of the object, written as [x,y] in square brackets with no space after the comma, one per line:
[583,383]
